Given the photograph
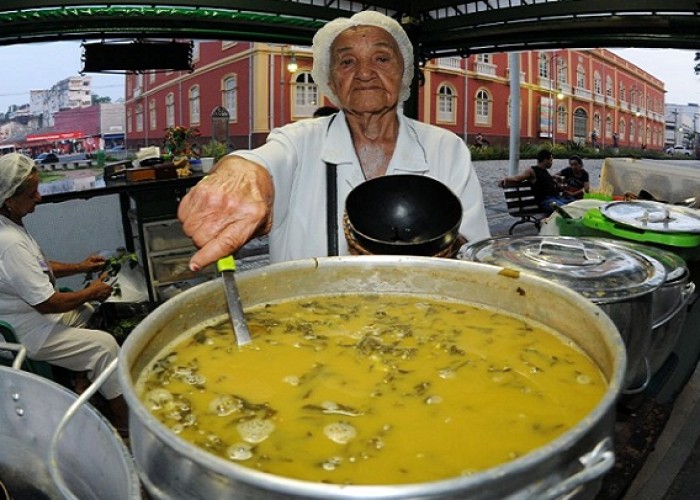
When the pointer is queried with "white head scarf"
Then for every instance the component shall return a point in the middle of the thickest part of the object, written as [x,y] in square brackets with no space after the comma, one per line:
[324,37]
[14,169]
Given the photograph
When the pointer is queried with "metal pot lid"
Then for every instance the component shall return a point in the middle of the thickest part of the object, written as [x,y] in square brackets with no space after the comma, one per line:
[653,216]
[675,266]
[600,271]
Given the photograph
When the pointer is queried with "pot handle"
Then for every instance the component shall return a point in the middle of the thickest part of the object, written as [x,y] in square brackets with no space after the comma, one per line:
[53,447]
[686,295]
[19,349]
[647,379]
[569,253]
[596,463]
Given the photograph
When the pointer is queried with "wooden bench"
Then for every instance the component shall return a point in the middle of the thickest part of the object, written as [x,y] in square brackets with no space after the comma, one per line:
[522,205]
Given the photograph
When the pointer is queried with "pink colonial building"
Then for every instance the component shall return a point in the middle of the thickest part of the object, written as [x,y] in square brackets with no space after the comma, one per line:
[582,96]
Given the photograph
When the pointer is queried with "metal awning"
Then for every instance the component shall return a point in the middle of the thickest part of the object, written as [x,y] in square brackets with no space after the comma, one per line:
[438,28]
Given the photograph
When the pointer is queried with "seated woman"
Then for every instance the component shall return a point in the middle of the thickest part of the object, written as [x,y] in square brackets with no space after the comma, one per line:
[545,188]
[575,178]
[50,323]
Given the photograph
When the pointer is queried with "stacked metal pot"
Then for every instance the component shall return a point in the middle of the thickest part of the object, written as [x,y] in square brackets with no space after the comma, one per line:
[644,290]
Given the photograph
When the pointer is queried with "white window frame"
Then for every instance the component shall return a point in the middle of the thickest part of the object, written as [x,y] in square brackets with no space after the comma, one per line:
[194,105]
[446,105]
[305,95]
[229,98]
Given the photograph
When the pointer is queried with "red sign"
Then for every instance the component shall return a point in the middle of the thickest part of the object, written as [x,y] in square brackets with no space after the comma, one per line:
[54,136]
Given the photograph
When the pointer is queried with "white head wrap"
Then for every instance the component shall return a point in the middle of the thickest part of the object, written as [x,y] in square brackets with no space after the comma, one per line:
[14,169]
[324,37]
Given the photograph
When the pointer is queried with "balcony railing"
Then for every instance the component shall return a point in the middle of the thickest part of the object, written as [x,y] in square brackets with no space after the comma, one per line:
[582,93]
[485,69]
[598,98]
[609,101]
[624,106]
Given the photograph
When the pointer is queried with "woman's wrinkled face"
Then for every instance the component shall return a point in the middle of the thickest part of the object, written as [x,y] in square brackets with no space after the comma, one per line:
[366,69]
[24,202]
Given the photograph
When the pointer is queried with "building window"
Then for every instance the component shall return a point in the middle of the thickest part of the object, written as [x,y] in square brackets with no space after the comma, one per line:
[580,125]
[139,117]
[446,107]
[608,127]
[194,105]
[597,83]
[152,123]
[596,123]
[170,110]
[623,92]
[195,50]
[623,128]
[562,72]
[581,77]
[544,66]
[483,58]
[152,77]
[608,86]
[129,121]
[304,95]
[230,97]
[483,107]
[632,131]
[561,118]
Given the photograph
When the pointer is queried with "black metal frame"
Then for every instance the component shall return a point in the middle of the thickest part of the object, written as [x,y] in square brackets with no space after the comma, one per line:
[439,28]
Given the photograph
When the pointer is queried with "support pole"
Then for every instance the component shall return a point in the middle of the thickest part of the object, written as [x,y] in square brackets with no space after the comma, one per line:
[514,143]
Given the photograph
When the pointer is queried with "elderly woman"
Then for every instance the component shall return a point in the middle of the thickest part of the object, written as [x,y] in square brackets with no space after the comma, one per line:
[49,323]
[364,65]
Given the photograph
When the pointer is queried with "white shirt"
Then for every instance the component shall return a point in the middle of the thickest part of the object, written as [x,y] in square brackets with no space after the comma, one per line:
[25,281]
[296,157]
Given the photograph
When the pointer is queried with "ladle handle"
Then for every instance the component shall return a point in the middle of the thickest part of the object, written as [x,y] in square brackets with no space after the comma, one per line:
[53,447]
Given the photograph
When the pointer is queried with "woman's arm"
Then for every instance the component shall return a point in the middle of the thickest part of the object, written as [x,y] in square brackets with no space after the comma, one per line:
[90,264]
[61,302]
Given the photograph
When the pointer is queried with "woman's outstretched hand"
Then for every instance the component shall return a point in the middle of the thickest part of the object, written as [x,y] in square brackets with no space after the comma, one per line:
[226,209]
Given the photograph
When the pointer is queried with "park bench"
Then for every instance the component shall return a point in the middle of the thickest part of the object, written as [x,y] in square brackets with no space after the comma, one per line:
[522,205]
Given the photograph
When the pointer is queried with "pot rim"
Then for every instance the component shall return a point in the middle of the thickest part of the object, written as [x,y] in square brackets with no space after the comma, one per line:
[325,490]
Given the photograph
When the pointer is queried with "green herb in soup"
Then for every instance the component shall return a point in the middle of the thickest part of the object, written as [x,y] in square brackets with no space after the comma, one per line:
[363,389]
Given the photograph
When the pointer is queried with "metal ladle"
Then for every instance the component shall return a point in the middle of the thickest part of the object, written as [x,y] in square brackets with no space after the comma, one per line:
[227,268]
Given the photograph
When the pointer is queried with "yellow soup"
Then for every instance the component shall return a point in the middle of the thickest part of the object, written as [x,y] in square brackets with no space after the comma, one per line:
[368,389]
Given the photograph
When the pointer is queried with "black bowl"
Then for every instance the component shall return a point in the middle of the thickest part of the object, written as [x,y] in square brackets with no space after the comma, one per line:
[403,215]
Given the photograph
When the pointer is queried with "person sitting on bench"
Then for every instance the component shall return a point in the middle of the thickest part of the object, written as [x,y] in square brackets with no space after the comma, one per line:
[545,188]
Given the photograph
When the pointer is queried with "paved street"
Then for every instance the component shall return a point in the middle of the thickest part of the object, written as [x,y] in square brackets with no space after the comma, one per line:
[490,172]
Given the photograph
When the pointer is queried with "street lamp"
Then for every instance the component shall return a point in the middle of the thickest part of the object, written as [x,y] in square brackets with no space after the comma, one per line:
[292,65]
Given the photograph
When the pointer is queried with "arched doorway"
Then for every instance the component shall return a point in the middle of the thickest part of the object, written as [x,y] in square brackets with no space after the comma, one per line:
[580,126]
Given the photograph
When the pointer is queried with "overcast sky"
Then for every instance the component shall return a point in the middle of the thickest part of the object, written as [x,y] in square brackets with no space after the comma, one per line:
[35,66]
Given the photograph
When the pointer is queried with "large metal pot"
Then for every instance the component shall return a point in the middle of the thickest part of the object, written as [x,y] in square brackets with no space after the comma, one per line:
[91,459]
[670,304]
[621,281]
[172,468]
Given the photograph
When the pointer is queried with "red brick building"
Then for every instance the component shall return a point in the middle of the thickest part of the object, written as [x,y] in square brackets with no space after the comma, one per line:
[566,95]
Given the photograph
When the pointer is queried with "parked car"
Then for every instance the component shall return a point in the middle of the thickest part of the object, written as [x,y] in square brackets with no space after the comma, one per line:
[679,150]
[45,158]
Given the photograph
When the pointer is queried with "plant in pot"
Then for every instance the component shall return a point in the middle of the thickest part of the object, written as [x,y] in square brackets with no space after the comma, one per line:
[214,150]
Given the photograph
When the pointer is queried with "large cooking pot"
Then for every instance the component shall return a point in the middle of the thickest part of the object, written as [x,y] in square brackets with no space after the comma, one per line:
[91,459]
[403,215]
[670,304]
[621,281]
[172,468]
